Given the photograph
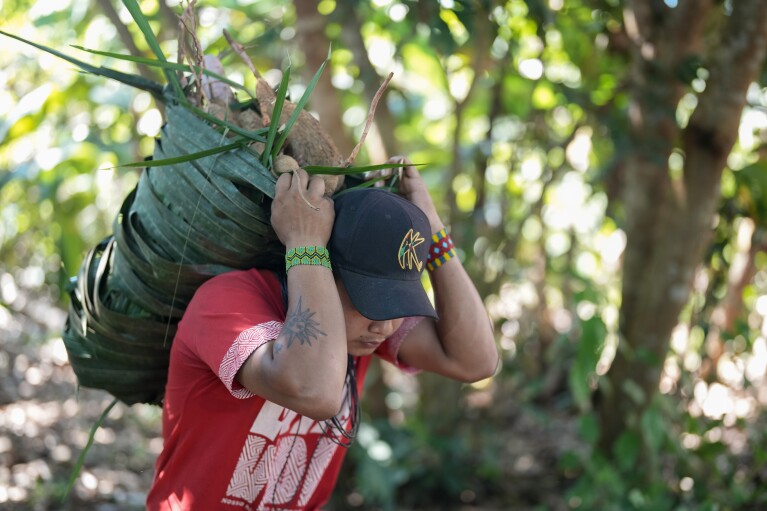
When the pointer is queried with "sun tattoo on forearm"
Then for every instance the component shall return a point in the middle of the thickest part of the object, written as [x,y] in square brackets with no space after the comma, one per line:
[300,326]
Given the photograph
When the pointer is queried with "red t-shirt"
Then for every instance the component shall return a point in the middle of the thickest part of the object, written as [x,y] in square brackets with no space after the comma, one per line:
[224,447]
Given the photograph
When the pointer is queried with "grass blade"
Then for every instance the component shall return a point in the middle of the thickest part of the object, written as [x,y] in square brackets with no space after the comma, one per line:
[282,92]
[343,171]
[151,40]
[299,107]
[81,459]
[165,65]
[364,184]
[184,158]
[255,136]
[133,80]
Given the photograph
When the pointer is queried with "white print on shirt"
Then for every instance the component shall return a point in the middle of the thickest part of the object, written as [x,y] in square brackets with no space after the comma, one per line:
[274,461]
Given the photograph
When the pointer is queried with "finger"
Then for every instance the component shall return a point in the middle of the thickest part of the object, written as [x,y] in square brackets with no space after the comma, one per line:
[316,186]
[408,166]
[301,179]
[410,171]
[399,159]
[283,183]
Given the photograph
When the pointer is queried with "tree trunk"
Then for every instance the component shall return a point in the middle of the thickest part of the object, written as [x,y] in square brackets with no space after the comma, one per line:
[668,220]
[310,30]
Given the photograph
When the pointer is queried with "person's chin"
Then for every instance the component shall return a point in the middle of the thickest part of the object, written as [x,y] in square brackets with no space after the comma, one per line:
[361,348]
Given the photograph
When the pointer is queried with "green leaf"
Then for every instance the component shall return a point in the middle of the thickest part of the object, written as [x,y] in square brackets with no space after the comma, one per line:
[344,171]
[588,427]
[255,136]
[366,184]
[282,92]
[173,66]
[151,40]
[184,158]
[569,461]
[243,167]
[133,80]
[627,449]
[81,459]
[592,337]
[653,428]
[299,107]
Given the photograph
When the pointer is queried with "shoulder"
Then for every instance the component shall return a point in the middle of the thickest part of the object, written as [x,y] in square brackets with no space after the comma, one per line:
[252,286]
[241,279]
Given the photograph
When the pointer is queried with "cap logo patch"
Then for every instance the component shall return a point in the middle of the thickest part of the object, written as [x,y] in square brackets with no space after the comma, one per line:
[407,257]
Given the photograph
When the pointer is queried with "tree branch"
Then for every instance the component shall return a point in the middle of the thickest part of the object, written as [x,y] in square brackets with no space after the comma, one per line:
[735,64]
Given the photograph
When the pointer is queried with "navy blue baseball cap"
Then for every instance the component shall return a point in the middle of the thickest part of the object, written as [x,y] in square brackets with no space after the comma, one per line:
[379,246]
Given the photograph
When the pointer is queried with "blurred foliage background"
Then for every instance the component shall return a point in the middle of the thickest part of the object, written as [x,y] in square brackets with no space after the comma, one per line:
[600,164]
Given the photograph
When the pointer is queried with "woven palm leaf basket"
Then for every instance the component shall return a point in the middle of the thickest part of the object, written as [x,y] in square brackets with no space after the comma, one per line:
[200,208]
[181,225]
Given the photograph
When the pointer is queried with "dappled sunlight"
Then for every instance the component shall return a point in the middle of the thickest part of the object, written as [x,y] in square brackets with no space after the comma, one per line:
[531,68]
[529,115]
[756,362]
[579,150]
[45,422]
[150,122]
[610,246]
[572,205]
[741,386]
[718,401]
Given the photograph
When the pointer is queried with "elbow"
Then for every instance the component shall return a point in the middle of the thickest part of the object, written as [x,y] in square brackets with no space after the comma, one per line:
[488,372]
[474,377]
[491,367]
[320,409]
[481,371]
[317,402]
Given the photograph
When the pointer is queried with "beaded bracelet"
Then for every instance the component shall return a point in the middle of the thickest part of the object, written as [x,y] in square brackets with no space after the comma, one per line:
[441,250]
[311,255]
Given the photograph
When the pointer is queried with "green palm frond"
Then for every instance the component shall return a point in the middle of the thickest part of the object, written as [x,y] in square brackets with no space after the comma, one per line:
[184,158]
[282,92]
[129,79]
[154,45]
[300,106]
[166,65]
[343,171]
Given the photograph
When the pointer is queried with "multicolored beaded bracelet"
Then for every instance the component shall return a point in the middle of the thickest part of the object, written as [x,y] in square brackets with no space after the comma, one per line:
[311,255]
[441,250]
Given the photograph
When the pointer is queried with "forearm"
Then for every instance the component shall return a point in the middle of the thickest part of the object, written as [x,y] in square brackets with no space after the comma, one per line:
[307,361]
[464,329]
[464,332]
[305,366]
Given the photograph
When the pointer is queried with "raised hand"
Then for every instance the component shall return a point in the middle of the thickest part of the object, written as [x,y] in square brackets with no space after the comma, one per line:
[413,187]
[301,213]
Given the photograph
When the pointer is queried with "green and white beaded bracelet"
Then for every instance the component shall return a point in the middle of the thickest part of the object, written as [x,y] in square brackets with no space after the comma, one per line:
[310,255]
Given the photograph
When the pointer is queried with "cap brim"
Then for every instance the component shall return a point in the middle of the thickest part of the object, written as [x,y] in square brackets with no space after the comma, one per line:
[381,299]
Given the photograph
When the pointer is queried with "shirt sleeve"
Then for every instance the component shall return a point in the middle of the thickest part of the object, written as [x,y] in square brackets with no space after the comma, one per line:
[231,316]
[389,350]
